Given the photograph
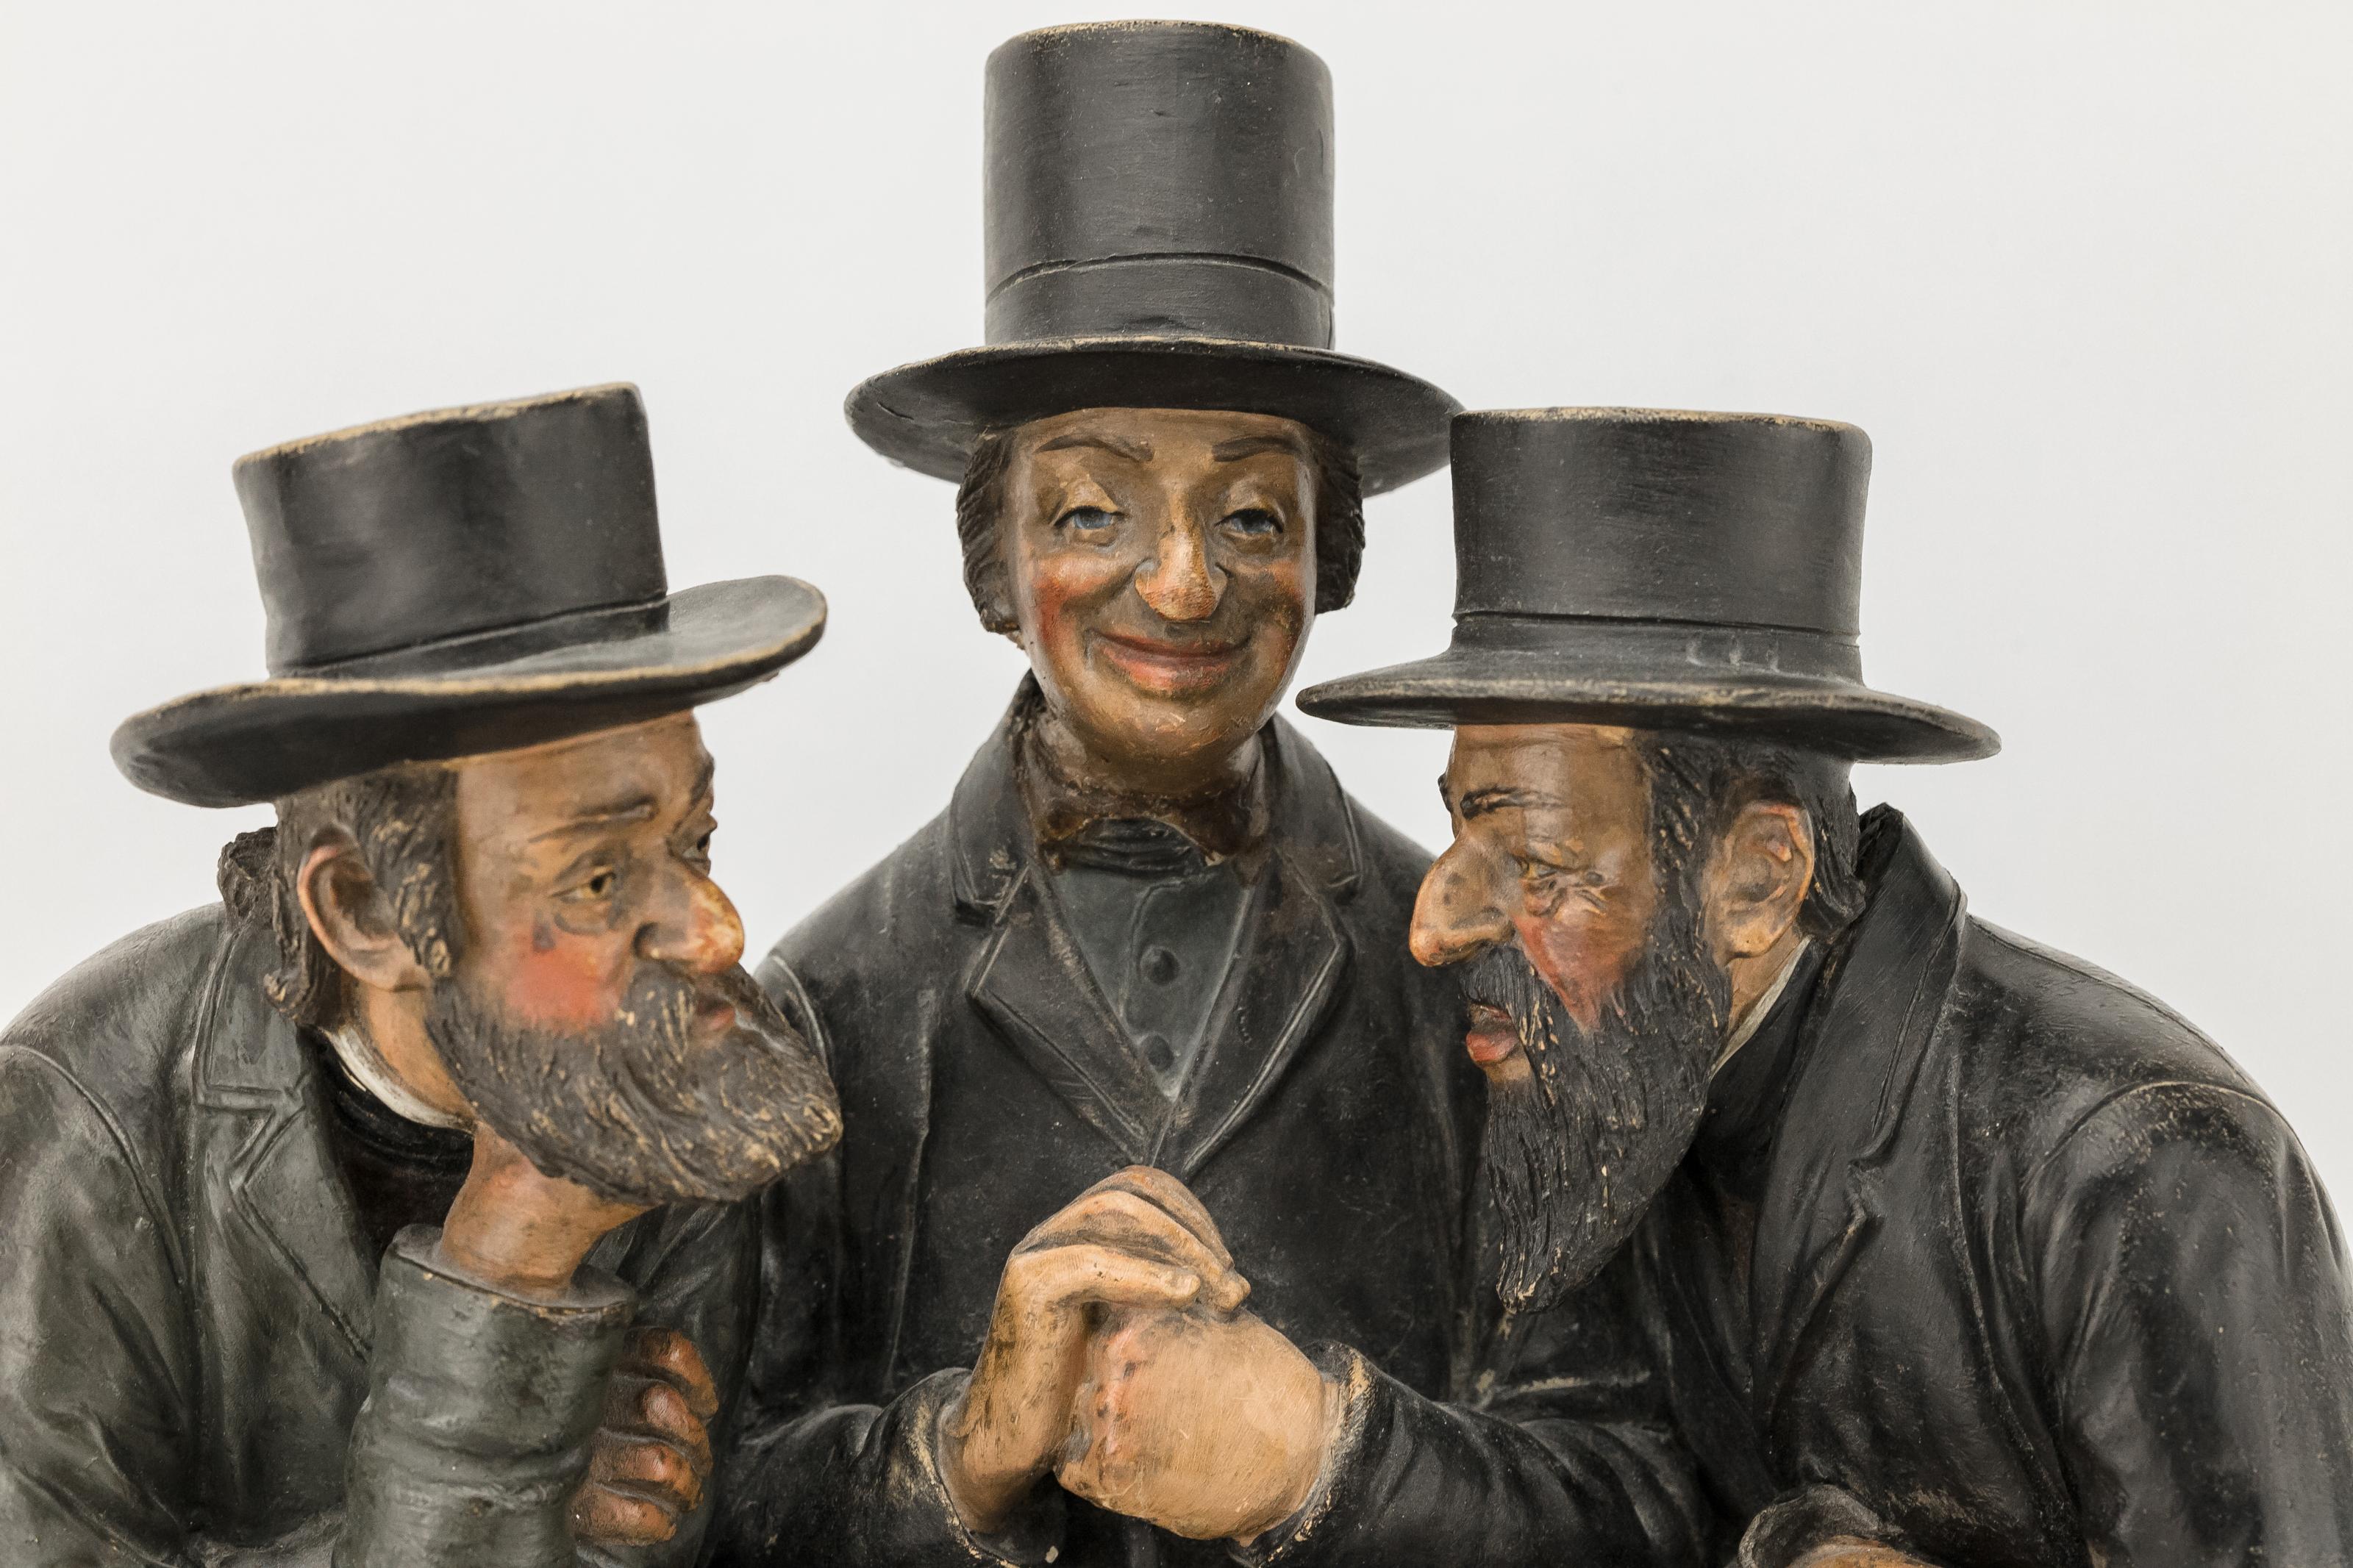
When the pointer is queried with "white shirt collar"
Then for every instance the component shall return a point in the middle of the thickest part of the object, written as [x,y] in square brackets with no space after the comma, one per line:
[1759,1010]
[364,1068]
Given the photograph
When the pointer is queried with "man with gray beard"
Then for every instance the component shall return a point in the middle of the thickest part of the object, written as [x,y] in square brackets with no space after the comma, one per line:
[383,1213]
[1944,1247]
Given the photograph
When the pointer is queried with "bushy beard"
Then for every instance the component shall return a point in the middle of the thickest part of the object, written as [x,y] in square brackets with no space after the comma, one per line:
[1575,1151]
[641,1111]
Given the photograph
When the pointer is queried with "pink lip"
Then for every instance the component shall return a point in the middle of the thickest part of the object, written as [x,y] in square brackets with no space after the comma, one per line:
[1492,1037]
[715,1018]
[1169,667]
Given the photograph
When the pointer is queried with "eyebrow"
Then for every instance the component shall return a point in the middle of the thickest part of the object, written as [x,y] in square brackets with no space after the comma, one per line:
[1133,451]
[633,808]
[1243,447]
[1480,802]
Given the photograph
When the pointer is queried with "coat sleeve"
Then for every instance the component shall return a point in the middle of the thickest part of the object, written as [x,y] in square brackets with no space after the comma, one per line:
[97,1407]
[1560,1451]
[473,1437]
[2192,1285]
[809,1468]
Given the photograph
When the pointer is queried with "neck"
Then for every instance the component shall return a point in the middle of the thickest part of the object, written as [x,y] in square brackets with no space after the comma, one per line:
[391,1024]
[1757,985]
[1184,779]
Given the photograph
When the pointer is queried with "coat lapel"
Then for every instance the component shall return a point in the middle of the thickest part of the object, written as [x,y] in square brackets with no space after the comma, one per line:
[1289,967]
[261,1084]
[1884,990]
[1032,982]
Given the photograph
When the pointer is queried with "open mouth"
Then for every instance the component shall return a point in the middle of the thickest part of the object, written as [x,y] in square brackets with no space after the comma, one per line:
[1492,1036]
[1175,668]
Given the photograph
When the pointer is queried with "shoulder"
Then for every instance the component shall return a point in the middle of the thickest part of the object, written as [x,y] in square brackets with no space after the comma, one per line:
[108,1036]
[2065,1061]
[905,892]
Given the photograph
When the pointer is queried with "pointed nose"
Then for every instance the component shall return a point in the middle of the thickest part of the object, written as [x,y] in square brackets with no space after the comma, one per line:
[701,931]
[1460,910]
[1179,583]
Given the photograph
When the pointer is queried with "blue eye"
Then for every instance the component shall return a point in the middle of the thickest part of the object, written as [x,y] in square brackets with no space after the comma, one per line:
[1087,519]
[1254,520]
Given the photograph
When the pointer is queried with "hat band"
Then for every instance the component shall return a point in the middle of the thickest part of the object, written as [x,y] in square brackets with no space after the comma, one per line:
[499,645]
[1661,648]
[1235,297]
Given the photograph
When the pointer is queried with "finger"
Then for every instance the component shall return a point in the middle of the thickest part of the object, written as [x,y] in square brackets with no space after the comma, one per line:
[662,1410]
[667,1354]
[1082,1274]
[1125,1221]
[609,1518]
[1158,1186]
[645,1467]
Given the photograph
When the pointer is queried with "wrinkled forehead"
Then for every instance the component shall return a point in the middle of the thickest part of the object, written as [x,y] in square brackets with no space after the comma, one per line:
[636,773]
[1553,776]
[1159,437]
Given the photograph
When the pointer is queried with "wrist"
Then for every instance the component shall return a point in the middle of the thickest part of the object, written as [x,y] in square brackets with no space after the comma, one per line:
[1311,1459]
[511,1256]
[983,1498]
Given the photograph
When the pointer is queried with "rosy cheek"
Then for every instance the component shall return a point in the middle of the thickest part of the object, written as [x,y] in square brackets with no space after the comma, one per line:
[1583,959]
[559,980]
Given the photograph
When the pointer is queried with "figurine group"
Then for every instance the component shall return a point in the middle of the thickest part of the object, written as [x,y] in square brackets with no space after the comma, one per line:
[1156,1160]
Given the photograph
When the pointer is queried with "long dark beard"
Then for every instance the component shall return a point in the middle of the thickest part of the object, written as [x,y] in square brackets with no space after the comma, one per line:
[641,1111]
[1575,1151]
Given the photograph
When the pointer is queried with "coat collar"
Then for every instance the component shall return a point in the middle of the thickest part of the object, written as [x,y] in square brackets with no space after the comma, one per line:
[255,1074]
[1032,982]
[992,842]
[1876,1013]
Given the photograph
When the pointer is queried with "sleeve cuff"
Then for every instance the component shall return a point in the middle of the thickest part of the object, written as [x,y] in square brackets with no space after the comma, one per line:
[479,1411]
[1352,1374]
[1031,1536]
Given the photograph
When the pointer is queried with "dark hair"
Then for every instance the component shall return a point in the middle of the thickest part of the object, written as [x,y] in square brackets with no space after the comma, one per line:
[402,821]
[1700,782]
[980,504]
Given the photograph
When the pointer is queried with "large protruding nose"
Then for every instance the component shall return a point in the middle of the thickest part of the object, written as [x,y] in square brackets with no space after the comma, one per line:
[700,931]
[1460,910]
[1179,583]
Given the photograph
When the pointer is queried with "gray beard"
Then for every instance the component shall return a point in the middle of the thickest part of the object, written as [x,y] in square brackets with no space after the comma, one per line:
[1574,1154]
[640,1111]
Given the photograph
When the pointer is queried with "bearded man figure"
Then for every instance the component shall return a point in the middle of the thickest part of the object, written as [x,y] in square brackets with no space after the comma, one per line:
[326,1211]
[1948,1248]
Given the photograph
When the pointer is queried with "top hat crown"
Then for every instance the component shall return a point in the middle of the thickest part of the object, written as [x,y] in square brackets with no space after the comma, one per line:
[1158,234]
[462,581]
[1661,570]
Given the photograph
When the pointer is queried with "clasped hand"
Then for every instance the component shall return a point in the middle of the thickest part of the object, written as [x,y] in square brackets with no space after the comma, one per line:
[1120,1360]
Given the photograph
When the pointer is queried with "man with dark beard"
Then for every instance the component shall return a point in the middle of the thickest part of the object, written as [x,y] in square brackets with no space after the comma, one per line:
[1948,1248]
[324,1213]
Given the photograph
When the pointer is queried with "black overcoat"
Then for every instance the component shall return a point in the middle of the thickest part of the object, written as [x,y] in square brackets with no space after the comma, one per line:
[1330,1127]
[188,1301]
[2039,1277]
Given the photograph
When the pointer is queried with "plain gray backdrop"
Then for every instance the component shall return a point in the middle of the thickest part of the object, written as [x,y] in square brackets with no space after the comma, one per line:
[2082,271]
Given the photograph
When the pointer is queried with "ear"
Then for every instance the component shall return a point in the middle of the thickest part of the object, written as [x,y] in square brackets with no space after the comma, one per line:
[353,919]
[1756,881]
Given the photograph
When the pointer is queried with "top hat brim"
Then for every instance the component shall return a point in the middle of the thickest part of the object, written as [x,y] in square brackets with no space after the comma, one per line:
[928,416]
[1491,686]
[264,740]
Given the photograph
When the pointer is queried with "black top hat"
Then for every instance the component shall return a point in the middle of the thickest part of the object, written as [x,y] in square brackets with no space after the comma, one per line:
[464,581]
[1159,218]
[1663,570]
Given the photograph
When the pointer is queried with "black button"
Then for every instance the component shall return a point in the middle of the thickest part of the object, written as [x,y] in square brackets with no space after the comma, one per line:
[1159,1052]
[1159,965]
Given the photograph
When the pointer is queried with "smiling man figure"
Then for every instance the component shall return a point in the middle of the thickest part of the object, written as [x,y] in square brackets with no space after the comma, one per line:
[326,1211]
[1150,930]
[1940,1246]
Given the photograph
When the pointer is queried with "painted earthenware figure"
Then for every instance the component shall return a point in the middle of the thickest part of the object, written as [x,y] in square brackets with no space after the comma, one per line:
[1131,1025]
[325,1212]
[1940,1241]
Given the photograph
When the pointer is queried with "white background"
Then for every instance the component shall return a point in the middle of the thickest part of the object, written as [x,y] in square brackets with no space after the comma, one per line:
[2083,272]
